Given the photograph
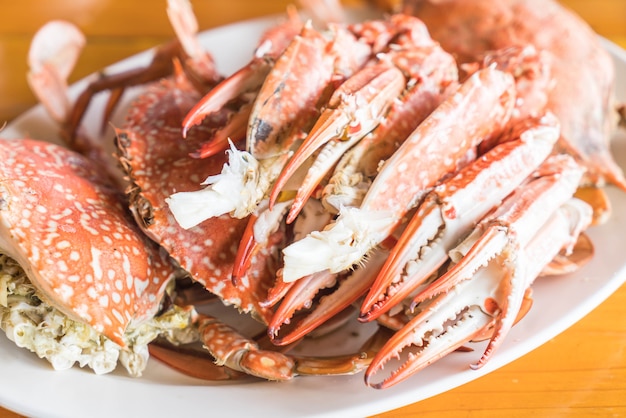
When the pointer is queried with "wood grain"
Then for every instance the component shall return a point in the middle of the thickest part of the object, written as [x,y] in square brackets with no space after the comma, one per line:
[580,373]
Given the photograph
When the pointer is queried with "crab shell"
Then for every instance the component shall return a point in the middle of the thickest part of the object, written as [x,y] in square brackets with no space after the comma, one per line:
[157,160]
[79,247]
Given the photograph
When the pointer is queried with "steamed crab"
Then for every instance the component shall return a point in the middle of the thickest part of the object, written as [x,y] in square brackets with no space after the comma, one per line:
[342,204]
[80,282]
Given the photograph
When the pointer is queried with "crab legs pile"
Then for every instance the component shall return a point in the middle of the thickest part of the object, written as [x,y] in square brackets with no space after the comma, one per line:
[349,170]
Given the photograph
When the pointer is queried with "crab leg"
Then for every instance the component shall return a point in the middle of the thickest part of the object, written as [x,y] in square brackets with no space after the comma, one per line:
[381,93]
[529,206]
[198,65]
[257,235]
[448,212]
[234,131]
[482,294]
[356,169]
[477,110]
[240,353]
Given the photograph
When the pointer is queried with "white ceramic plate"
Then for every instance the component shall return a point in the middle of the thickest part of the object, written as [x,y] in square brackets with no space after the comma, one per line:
[29,386]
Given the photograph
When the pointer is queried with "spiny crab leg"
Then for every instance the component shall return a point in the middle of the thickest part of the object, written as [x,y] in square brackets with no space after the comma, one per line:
[451,209]
[383,92]
[518,217]
[355,170]
[248,80]
[482,295]
[477,110]
[474,323]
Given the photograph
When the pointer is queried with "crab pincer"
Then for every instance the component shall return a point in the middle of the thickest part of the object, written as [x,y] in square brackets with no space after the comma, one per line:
[410,65]
[477,110]
[448,213]
[482,294]
[354,109]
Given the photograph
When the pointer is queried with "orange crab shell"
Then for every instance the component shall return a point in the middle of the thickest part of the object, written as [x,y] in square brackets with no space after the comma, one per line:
[158,161]
[80,248]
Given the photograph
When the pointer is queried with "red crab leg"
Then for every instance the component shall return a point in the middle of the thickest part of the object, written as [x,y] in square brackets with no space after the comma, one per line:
[249,79]
[258,230]
[483,297]
[448,213]
[418,66]
[285,106]
[198,65]
[192,362]
[234,131]
[477,110]
[529,206]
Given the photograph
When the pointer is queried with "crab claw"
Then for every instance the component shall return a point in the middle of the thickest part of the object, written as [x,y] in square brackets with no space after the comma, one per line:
[453,129]
[243,85]
[483,293]
[448,213]
[303,291]
[353,111]
[521,214]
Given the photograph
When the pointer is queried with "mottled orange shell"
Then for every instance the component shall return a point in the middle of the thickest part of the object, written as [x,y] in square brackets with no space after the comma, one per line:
[157,160]
[67,228]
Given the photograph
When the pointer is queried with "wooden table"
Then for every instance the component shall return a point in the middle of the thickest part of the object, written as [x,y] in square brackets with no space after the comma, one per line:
[580,373]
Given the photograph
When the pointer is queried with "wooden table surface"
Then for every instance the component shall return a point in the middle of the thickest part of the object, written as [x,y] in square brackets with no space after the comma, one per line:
[579,373]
